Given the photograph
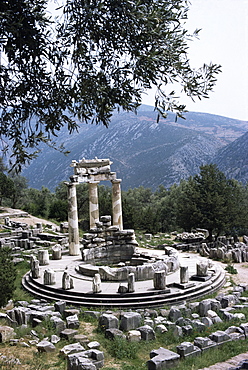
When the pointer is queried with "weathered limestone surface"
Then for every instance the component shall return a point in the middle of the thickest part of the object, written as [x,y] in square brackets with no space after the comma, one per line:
[46,346]
[6,333]
[96,284]
[35,267]
[159,280]
[131,283]
[162,358]
[130,320]
[93,203]
[71,348]
[202,269]
[73,220]
[56,252]
[108,321]
[134,336]
[67,281]
[43,257]
[184,274]
[114,333]
[49,277]
[116,204]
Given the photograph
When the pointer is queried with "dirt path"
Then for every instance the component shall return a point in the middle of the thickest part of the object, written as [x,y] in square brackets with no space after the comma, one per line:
[18,215]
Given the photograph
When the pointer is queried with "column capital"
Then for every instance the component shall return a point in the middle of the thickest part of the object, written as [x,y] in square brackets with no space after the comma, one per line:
[116,181]
[94,182]
[74,179]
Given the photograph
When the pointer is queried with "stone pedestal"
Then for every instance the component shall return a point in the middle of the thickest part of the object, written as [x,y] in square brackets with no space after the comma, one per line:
[96,284]
[93,203]
[184,274]
[56,252]
[43,257]
[159,280]
[116,203]
[35,267]
[67,281]
[130,283]
[74,249]
[49,277]
[202,269]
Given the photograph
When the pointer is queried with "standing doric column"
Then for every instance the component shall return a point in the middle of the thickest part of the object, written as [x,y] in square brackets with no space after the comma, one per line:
[116,203]
[93,203]
[74,248]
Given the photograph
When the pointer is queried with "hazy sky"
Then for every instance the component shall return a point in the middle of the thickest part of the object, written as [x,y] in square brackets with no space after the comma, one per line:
[223,40]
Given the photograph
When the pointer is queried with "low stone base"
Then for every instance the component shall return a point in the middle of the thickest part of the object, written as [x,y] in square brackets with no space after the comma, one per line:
[183,285]
[200,278]
[162,358]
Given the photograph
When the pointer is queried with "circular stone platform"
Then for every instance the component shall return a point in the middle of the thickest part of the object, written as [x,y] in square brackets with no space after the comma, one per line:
[144,296]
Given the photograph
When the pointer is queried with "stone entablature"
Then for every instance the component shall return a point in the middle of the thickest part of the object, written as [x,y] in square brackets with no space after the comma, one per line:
[87,170]
[91,171]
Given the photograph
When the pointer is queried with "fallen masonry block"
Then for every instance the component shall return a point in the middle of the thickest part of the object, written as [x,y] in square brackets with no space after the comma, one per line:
[244,327]
[71,348]
[68,333]
[87,360]
[220,337]
[130,320]
[162,358]
[108,321]
[46,346]
[114,333]
[147,333]
[204,343]
[72,322]
[187,349]
[235,332]
[134,336]
[6,333]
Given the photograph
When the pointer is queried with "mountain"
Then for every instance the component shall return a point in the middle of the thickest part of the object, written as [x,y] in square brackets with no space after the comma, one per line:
[233,159]
[144,152]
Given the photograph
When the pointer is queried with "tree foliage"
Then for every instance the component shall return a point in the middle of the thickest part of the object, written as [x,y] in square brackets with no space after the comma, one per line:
[211,201]
[98,56]
[7,276]
[207,200]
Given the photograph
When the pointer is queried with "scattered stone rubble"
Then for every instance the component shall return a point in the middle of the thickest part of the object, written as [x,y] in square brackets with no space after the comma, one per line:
[108,245]
[22,238]
[80,354]
[192,237]
[133,326]
[226,249]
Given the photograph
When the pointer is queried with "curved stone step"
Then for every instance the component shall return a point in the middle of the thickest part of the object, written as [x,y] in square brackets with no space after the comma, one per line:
[128,300]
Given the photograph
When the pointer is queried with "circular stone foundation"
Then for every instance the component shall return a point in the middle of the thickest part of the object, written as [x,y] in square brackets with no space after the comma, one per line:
[142,265]
[144,294]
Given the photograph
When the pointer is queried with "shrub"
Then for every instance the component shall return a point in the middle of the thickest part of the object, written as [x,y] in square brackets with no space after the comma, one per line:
[7,276]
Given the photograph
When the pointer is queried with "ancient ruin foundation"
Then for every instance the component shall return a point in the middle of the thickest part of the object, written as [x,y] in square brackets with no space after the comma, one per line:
[106,268]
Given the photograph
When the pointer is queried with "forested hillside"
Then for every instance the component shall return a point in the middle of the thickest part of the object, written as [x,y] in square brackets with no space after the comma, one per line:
[144,152]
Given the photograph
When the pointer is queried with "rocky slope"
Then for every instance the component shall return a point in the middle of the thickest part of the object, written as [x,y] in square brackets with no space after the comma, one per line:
[143,151]
[233,159]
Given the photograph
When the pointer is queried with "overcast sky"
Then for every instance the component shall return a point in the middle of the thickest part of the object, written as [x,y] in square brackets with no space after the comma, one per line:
[223,40]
